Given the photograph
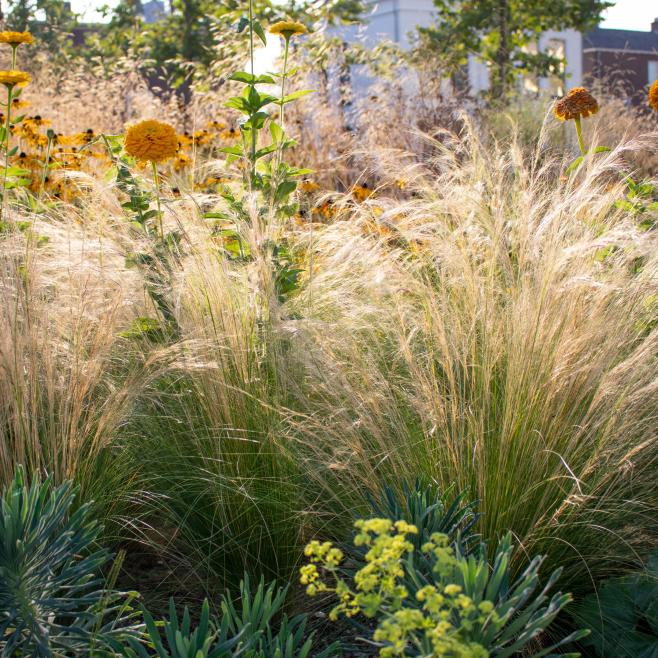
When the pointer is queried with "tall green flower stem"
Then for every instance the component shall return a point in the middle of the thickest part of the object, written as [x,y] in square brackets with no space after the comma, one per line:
[579,133]
[14,48]
[251,62]
[156,179]
[284,73]
[44,171]
[10,96]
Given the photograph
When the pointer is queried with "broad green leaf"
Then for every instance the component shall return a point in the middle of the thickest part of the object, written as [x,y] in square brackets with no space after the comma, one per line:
[258,29]
[238,103]
[289,98]
[266,150]
[575,164]
[276,131]
[285,189]
[232,150]
[250,78]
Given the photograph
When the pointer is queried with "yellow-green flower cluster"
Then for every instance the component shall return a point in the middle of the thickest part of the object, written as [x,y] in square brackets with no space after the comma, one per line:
[440,621]
[377,582]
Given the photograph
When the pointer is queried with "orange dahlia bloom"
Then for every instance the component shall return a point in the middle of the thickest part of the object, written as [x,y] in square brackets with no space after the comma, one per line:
[653,95]
[151,140]
[577,103]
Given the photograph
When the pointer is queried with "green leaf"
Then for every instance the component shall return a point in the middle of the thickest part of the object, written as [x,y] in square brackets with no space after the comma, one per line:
[256,121]
[250,78]
[266,150]
[285,189]
[575,164]
[232,150]
[242,24]
[295,171]
[17,171]
[289,98]
[239,103]
[258,29]
[276,131]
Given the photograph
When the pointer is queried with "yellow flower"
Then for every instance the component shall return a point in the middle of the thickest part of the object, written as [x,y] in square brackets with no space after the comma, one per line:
[182,161]
[308,186]
[577,103]
[11,78]
[361,192]
[151,140]
[16,38]
[653,95]
[288,29]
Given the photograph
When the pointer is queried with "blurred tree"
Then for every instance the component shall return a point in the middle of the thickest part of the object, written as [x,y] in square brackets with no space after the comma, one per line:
[329,12]
[501,33]
[48,20]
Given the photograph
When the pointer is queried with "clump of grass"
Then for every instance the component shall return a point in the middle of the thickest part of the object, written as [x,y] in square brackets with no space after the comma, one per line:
[501,335]
[67,383]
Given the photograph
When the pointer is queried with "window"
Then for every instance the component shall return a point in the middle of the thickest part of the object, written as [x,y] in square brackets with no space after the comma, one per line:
[653,71]
[556,81]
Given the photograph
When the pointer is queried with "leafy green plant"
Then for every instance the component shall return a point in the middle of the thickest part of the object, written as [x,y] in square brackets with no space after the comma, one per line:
[157,262]
[245,631]
[176,639]
[623,615]
[265,174]
[465,607]
[53,599]
[430,510]
[255,618]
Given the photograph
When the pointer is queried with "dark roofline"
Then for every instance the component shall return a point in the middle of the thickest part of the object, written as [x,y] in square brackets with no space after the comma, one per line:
[620,40]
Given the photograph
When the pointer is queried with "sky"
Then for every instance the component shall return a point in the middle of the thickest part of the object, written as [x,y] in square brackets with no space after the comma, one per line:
[625,15]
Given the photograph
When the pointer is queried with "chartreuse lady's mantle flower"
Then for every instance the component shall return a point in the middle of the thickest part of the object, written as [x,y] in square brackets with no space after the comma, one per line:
[151,140]
[288,29]
[13,78]
[653,96]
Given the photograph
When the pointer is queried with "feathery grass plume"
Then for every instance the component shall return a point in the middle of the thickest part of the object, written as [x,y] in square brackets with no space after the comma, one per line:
[226,477]
[68,381]
[494,338]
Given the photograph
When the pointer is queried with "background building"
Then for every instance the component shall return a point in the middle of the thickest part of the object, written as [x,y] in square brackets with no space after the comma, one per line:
[629,56]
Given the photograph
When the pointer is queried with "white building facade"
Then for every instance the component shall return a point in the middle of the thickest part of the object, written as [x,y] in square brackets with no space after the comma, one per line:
[396,20]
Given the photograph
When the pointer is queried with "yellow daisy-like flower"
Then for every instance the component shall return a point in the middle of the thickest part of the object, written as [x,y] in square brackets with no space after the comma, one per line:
[653,96]
[308,186]
[18,104]
[11,78]
[288,29]
[577,103]
[151,140]
[16,38]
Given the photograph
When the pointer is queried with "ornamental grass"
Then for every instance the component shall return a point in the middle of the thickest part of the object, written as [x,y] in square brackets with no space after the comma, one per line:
[232,355]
